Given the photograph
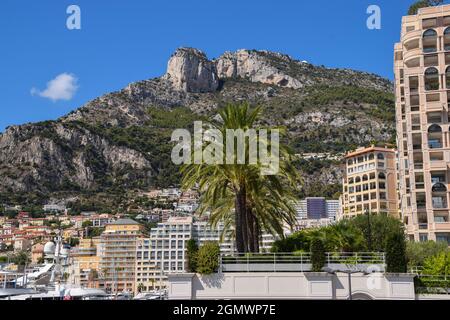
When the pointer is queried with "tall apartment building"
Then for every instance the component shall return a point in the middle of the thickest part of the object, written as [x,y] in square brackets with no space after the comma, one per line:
[422,89]
[370,182]
[118,255]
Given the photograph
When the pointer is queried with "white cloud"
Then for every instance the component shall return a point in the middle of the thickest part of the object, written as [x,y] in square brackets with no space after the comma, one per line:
[63,87]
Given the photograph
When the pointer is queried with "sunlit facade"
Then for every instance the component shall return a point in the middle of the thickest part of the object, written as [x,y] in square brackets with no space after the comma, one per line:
[422,87]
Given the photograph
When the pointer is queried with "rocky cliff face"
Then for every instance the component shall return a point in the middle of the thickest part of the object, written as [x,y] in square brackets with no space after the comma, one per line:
[190,71]
[55,155]
[122,138]
[256,67]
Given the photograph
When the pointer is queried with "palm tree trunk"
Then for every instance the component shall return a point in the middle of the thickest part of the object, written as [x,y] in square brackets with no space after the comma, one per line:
[240,220]
[253,230]
[249,225]
[256,235]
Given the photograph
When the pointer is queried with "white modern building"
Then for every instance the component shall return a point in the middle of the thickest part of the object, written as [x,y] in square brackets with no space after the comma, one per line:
[164,252]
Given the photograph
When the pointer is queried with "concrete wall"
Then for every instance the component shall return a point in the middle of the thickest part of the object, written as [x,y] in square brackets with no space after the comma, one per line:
[290,286]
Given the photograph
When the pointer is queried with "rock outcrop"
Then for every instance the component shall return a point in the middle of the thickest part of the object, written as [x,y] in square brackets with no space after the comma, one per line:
[255,66]
[189,70]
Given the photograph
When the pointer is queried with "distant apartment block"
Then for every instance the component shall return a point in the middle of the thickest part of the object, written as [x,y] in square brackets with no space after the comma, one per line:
[370,182]
[85,261]
[422,89]
[118,255]
[317,208]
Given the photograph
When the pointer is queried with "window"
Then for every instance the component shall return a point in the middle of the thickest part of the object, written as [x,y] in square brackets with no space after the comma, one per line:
[431,79]
[380,156]
[431,60]
[443,237]
[436,156]
[381,176]
[429,23]
[429,41]
[447,39]
[434,117]
[435,137]
[439,187]
[447,78]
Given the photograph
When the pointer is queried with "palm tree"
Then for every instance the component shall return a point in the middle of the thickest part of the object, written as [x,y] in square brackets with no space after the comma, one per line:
[246,201]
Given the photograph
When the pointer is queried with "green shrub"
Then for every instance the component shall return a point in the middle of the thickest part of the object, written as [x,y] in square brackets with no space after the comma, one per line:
[396,254]
[208,258]
[318,257]
[438,265]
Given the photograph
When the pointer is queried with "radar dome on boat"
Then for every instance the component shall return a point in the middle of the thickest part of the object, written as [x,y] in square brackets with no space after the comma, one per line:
[49,248]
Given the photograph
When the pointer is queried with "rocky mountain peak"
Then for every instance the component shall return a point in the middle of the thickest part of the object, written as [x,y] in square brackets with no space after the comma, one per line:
[189,70]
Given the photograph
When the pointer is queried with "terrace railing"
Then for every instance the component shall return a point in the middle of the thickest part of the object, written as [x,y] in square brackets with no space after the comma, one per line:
[430,284]
[300,262]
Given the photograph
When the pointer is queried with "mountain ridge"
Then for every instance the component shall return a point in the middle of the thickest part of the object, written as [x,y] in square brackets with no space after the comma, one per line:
[120,139]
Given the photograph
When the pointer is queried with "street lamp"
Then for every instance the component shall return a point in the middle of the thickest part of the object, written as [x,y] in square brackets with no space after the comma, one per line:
[349,273]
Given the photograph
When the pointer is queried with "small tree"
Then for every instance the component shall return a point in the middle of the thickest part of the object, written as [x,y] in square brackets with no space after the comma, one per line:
[208,258]
[21,259]
[317,255]
[414,9]
[86,224]
[418,252]
[192,251]
[396,254]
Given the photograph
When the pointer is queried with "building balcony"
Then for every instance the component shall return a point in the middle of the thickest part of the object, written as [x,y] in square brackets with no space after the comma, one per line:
[435,106]
[412,54]
[412,35]
[444,226]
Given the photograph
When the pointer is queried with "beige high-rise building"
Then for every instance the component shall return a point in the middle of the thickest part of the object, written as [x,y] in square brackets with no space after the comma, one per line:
[118,255]
[370,182]
[422,88]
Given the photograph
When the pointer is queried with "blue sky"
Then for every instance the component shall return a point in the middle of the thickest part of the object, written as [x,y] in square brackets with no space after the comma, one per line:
[125,41]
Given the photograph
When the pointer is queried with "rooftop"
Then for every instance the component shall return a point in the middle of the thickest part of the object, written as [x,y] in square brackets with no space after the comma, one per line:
[122,222]
[363,150]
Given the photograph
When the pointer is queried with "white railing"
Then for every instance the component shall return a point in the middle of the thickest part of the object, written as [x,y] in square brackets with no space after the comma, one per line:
[298,262]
